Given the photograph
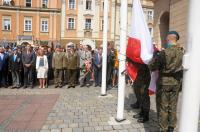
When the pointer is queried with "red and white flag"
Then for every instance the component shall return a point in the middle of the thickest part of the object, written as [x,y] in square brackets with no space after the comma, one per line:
[140,47]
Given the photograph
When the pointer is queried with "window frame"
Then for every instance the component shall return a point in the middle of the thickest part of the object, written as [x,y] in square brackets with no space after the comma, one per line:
[88,6]
[28,18]
[7,4]
[68,23]
[70,5]
[25,2]
[3,23]
[46,25]
[150,15]
[88,26]
[45,3]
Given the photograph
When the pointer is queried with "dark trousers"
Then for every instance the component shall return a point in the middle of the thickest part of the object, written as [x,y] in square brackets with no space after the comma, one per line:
[143,97]
[98,76]
[58,73]
[72,77]
[166,104]
[50,75]
[28,76]
[65,76]
[2,78]
[16,79]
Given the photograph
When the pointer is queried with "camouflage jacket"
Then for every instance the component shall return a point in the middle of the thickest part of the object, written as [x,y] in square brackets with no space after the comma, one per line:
[169,64]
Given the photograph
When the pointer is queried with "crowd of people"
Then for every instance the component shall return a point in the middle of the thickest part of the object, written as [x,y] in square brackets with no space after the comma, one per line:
[72,65]
[81,65]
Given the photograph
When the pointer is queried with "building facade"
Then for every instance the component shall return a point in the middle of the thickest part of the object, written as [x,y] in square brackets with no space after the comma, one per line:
[82,20]
[64,21]
[148,8]
[170,15]
[32,21]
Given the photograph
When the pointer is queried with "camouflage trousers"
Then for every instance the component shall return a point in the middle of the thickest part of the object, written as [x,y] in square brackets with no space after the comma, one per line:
[142,95]
[166,103]
[58,73]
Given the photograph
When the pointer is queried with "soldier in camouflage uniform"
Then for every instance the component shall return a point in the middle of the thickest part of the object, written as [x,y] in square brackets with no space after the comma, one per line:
[57,64]
[72,66]
[141,85]
[169,64]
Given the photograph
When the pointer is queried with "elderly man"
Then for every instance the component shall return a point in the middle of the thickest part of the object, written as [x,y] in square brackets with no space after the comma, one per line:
[15,67]
[57,64]
[169,64]
[28,60]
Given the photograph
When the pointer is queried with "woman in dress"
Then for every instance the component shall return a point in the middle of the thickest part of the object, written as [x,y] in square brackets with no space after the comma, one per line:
[41,67]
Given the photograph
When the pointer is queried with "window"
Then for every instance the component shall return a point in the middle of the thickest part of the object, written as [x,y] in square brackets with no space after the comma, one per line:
[28,24]
[44,25]
[28,3]
[71,4]
[6,24]
[88,5]
[44,3]
[150,15]
[6,2]
[87,23]
[102,24]
[71,23]
[151,31]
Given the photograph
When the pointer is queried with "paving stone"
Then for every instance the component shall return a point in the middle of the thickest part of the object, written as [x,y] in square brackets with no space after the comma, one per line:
[107,128]
[117,127]
[45,131]
[77,129]
[82,124]
[67,130]
[55,130]
[88,129]
[98,128]
[73,125]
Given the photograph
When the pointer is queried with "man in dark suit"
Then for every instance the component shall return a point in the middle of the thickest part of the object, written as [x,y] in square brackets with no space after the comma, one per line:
[15,67]
[3,59]
[28,60]
[97,65]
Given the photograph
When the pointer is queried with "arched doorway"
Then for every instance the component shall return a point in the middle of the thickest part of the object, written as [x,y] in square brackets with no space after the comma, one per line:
[164,26]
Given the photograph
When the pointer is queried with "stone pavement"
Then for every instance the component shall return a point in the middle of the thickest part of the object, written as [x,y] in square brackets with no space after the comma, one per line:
[67,110]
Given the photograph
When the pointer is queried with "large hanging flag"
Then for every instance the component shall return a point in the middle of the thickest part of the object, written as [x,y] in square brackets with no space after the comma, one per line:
[140,47]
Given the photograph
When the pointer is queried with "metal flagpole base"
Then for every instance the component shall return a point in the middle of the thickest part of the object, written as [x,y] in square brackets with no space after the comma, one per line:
[113,121]
[119,120]
[103,95]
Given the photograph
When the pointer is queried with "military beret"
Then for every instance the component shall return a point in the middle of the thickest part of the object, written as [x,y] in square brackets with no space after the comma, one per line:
[174,33]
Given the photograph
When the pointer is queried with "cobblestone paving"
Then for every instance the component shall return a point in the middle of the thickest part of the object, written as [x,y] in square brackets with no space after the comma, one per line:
[84,110]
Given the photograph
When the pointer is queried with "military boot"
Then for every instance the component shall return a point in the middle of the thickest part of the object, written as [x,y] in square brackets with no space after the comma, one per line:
[170,129]
[138,116]
[145,118]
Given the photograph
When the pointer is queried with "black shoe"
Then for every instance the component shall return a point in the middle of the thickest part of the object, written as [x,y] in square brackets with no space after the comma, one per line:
[170,129]
[138,116]
[60,86]
[143,120]
[73,86]
[25,86]
[69,86]
[82,85]
[135,106]
[32,86]
[95,85]
[56,86]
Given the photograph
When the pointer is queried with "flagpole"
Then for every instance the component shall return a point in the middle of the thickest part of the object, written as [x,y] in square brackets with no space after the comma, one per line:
[63,13]
[191,85]
[105,41]
[122,58]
